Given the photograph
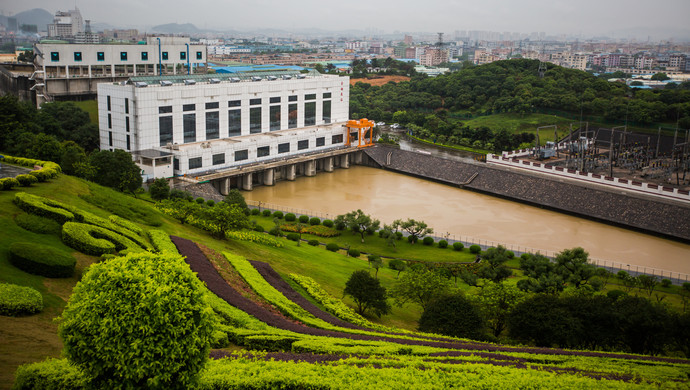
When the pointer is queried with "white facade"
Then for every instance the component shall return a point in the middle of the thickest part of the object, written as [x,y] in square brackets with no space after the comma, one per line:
[197,121]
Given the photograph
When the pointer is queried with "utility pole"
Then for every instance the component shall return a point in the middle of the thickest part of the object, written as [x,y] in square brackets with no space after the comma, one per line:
[658,139]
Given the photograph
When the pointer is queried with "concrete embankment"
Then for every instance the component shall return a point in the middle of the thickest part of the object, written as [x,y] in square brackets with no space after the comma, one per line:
[662,218]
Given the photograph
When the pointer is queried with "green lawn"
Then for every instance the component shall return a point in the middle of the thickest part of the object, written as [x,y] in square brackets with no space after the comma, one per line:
[90,106]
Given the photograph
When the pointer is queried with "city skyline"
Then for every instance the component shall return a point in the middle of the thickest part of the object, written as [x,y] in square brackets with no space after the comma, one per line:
[587,18]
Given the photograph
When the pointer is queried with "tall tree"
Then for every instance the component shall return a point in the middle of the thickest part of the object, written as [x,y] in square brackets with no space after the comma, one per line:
[421,286]
[359,222]
[496,301]
[493,265]
[367,293]
[225,217]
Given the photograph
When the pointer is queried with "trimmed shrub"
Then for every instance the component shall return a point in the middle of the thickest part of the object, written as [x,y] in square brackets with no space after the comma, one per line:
[314,221]
[290,217]
[200,200]
[210,203]
[475,249]
[131,226]
[398,236]
[275,231]
[455,316]
[333,247]
[49,374]
[259,228]
[353,252]
[428,241]
[42,260]
[458,246]
[340,225]
[26,180]
[18,300]
[666,283]
[443,244]
[44,207]
[107,334]
[293,236]
[162,242]
[266,213]
[256,212]
[8,183]
[36,224]
[304,218]
[95,240]
[92,219]
[412,239]
[327,223]
[321,231]
[159,189]
[313,242]
[510,254]
[278,214]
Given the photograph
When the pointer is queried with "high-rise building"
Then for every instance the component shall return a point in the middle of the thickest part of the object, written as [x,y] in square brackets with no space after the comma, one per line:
[66,24]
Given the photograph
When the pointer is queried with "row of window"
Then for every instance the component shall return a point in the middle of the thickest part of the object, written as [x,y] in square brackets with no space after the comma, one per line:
[234,103]
[263,151]
[100,56]
[189,131]
[110,140]
[126,104]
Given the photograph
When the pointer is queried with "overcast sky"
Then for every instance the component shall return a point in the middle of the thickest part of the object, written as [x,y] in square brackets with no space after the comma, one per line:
[586,17]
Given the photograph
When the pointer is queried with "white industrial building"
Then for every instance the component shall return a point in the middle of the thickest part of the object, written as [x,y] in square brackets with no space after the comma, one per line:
[196,124]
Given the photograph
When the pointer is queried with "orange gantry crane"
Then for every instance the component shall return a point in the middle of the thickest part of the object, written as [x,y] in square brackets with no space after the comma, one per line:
[362,126]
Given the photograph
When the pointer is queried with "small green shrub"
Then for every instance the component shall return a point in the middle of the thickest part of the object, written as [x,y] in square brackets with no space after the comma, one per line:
[304,218]
[313,242]
[475,249]
[458,246]
[219,339]
[259,228]
[42,260]
[95,240]
[18,300]
[340,225]
[314,221]
[49,374]
[36,224]
[266,213]
[200,200]
[443,244]
[412,239]
[278,214]
[398,236]
[8,183]
[210,203]
[162,242]
[333,247]
[510,254]
[353,252]
[26,180]
[327,223]
[428,241]
[293,236]
[321,231]
[290,217]
[615,294]
[666,283]
[256,212]
[275,231]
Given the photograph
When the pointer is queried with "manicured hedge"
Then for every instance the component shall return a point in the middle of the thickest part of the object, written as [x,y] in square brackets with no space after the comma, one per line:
[304,218]
[278,214]
[44,207]
[49,374]
[443,244]
[333,247]
[327,223]
[95,240]
[36,224]
[26,180]
[259,228]
[125,223]
[266,213]
[313,242]
[8,183]
[42,260]
[353,252]
[428,241]
[475,249]
[314,221]
[17,300]
[293,236]
[458,246]
[290,217]
[256,212]
[161,241]
[92,219]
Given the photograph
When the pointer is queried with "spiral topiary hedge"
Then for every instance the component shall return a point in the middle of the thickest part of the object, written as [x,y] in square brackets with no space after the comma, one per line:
[17,300]
[95,240]
[162,242]
[44,207]
[36,224]
[26,180]
[42,260]
[125,223]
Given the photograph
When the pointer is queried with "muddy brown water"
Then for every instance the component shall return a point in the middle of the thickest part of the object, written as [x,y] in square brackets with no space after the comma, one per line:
[461,213]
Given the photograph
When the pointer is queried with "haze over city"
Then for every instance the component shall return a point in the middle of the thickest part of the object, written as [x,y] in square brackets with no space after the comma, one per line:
[667,19]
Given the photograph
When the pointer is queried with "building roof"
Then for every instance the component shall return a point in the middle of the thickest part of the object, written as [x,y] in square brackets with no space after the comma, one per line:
[242,76]
[255,68]
[152,153]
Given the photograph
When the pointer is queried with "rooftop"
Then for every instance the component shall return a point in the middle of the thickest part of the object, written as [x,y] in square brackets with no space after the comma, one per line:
[216,78]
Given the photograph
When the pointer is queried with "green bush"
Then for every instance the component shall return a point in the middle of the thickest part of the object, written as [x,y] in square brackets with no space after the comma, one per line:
[200,200]
[95,240]
[353,252]
[615,294]
[412,239]
[304,218]
[321,231]
[124,206]
[278,214]
[259,228]
[42,260]
[453,316]
[159,189]
[49,374]
[36,224]
[17,300]
[290,217]
[267,213]
[44,207]
[92,219]
[340,225]
[162,242]
[428,241]
[475,249]
[26,180]
[666,283]
[313,242]
[510,254]
[131,226]
[458,246]
[333,247]
[443,244]
[293,236]
[116,343]
[398,236]
[8,183]
[314,221]
[210,203]
[275,231]
[327,223]
[256,212]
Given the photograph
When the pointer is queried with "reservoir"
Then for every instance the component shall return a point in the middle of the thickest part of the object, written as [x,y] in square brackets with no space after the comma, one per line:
[467,215]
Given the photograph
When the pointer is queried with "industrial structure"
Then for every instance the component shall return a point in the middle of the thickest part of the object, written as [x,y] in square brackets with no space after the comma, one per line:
[233,130]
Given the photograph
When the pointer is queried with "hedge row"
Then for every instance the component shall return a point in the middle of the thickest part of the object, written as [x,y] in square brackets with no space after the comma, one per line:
[8,183]
[48,170]
[45,207]
[95,240]
[92,219]
[16,300]
[36,224]
[125,223]
[161,241]
[42,260]
[26,180]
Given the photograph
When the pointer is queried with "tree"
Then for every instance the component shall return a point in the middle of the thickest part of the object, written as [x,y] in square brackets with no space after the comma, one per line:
[367,293]
[139,321]
[224,217]
[416,229]
[358,222]
[493,265]
[180,209]
[660,76]
[541,277]
[455,316]
[115,169]
[72,154]
[574,267]
[647,283]
[496,300]
[26,56]
[159,189]
[397,265]
[376,263]
[421,286]
[234,196]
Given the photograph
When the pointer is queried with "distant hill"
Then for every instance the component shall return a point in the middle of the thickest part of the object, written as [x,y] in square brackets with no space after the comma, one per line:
[37,16]
[175,28]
